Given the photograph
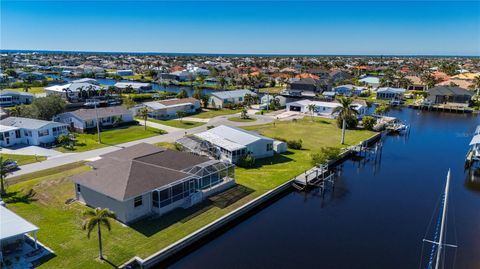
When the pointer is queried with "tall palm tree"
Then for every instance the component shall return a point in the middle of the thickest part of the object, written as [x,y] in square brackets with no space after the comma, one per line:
[476,82]
[345,112]
[311,109]
[16,111]
[143,113]
[97,217]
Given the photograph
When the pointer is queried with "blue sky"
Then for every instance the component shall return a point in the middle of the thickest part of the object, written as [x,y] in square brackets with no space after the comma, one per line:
[341,27]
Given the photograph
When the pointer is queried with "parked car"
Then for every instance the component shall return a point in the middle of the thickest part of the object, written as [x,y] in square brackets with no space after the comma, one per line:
[11,165]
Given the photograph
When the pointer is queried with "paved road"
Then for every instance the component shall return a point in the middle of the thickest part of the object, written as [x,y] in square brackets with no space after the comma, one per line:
[170,137]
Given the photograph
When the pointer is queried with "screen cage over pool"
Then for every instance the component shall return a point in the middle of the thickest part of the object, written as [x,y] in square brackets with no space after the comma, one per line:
[204,176]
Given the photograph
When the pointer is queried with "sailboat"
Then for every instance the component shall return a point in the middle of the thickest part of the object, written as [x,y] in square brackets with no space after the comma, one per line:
[440,232]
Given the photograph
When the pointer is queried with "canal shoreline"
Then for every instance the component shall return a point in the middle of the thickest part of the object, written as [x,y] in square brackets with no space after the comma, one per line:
[195,239]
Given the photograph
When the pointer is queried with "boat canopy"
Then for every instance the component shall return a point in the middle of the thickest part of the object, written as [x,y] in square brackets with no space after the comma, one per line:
[475,140]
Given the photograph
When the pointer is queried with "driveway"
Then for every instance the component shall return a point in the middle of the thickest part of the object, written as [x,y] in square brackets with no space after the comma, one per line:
[31,150]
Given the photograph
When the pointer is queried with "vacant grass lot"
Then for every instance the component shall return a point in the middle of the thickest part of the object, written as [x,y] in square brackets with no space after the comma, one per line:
[215,113]
[33,90]
[112,137]
[60,222]
[23,159]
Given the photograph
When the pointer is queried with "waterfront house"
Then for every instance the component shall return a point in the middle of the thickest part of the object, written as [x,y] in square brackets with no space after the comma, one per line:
[309,84]
[339,75]
[234,143]
[349,90]
[13,98]
[390,93]
[34,75]
[72,91]
[144,180]
[450,95]
[137,87]
[125,72]
[26,131]
[166,109]
[225,98]
[325,109]
[85,80]
[83,119]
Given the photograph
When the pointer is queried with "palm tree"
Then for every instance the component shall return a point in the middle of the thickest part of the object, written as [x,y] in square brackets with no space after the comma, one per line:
[476,82]
[97,217]
[17,111]
[181,114]
[346,112]
[311,109]
[143,113]
[3,174]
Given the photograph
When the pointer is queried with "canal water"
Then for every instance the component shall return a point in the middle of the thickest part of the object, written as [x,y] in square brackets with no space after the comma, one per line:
[377,215]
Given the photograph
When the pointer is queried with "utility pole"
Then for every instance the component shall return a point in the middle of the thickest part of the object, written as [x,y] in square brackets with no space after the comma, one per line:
[98,124]
[343,131]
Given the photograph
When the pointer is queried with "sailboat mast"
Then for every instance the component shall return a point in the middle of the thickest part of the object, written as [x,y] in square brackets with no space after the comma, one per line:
[442,225]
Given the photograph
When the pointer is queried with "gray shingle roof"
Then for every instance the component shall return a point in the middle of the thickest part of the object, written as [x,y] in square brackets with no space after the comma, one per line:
[135,170]
[447,90]
[89,113]
[232,94]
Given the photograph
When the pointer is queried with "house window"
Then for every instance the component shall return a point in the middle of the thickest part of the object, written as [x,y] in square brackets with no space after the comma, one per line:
[43,132]
[78,188]
[17,134]
[155,199]
[269,147]
[137,201]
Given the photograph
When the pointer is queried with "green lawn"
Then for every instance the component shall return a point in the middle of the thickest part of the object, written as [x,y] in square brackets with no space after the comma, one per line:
[119,135]
[215,113]
[276,89]
[23,159]
[183,124]
[33,90]
[167,145]
[238,119]
[60,222]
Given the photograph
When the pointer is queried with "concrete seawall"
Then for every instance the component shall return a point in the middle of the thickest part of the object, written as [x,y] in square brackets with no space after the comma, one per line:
[202,233]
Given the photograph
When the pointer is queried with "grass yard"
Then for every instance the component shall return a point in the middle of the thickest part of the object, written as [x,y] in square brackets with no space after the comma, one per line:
[60,222]
[183,124]
[33,90]
[23,159]
[167,145]
[238,119]
[110,137]
[215,113]
[276,89]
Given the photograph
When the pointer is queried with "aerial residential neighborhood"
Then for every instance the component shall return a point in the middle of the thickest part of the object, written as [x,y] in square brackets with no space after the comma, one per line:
[227,134]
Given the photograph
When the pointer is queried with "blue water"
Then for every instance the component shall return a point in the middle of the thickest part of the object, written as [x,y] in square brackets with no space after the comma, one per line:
[377,215]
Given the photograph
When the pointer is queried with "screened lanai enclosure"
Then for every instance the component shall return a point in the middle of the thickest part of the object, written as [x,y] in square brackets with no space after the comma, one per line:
[205,177]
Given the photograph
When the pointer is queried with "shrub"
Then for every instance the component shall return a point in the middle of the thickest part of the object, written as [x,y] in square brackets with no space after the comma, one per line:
[295,144]
[246,161]
[317,158]
[210,127]
[179,147]
[351,120]
[369,122]
[325,154]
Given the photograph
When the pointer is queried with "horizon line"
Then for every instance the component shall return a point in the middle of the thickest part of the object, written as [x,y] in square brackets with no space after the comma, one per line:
[239,54]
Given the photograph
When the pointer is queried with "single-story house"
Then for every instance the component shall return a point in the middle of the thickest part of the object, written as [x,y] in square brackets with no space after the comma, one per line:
[144,180]
[136,86]
[389,93]
[446,94]
[310,85]
[13,230]
[349,90]
[85,80]
[339,75]
[34,75]
[221,99]
[17,130]
[267,99]
[374,82]
[72,89]
[13,98]
[83,119]
[324,109]
[210,81]
[168,108]
[234,143]
[126,72]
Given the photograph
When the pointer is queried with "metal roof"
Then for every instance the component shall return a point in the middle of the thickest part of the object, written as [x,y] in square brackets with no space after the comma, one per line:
[232,94]
[27,123]
[12,224]
[231,138]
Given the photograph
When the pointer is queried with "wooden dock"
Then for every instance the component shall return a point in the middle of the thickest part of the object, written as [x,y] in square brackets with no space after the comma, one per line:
[442,108]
